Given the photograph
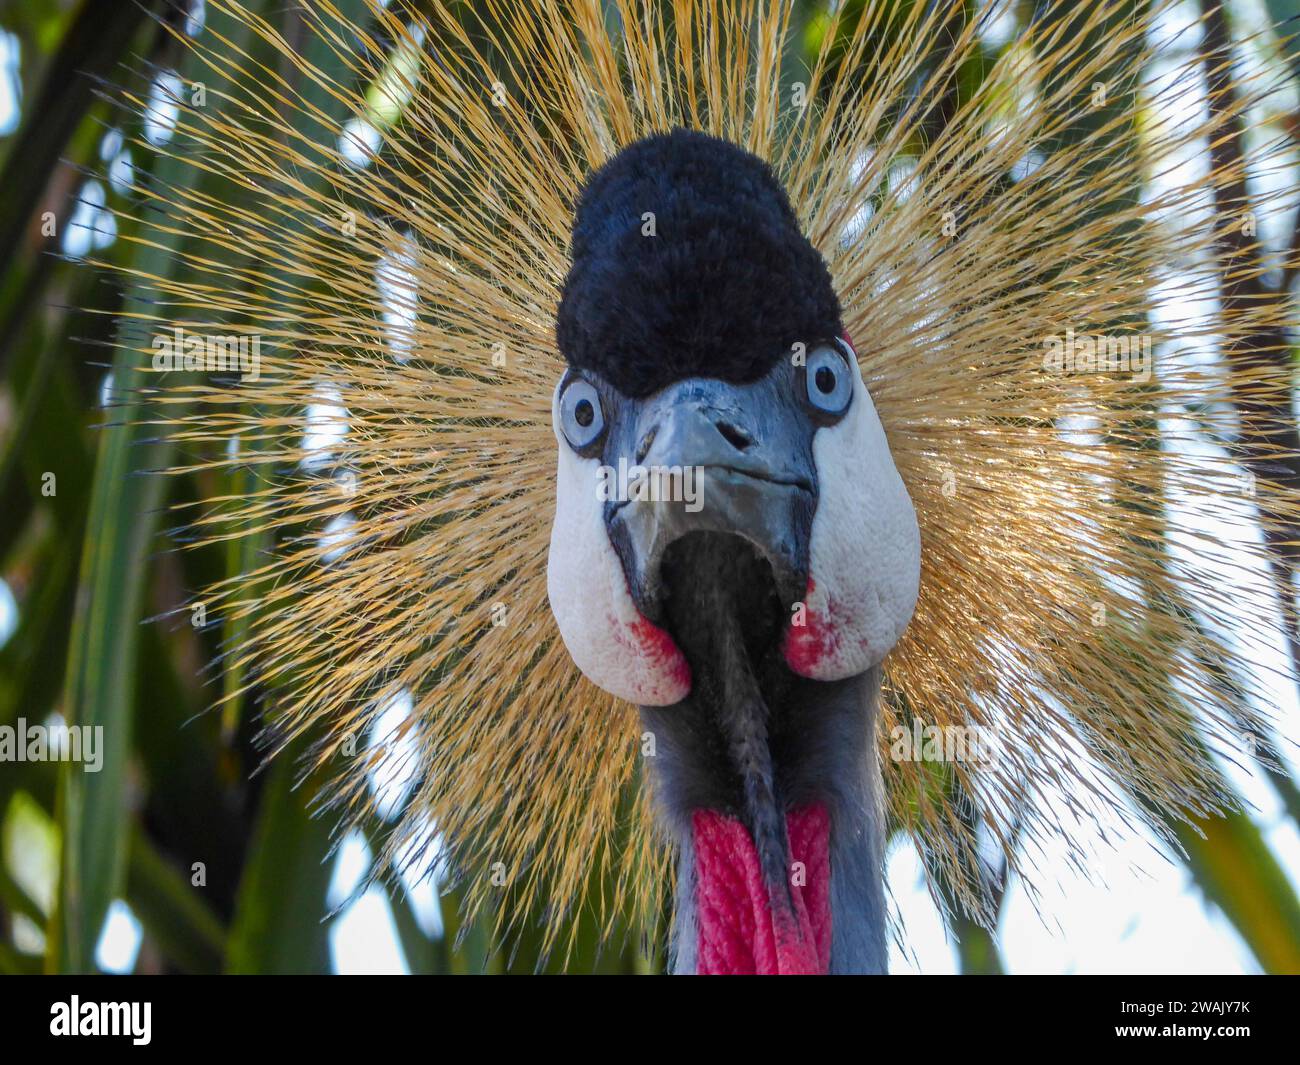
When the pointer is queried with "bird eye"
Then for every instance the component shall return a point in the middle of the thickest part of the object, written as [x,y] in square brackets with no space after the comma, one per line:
[829,380]
[581,417]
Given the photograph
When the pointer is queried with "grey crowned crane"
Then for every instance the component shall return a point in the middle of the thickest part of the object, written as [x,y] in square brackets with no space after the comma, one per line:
[848,365]
[744,573]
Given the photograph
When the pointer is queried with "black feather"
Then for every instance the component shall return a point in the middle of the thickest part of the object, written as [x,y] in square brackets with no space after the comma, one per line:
[726,286]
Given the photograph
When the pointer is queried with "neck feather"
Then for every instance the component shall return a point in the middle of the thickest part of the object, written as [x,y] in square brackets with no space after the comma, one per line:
[820,757]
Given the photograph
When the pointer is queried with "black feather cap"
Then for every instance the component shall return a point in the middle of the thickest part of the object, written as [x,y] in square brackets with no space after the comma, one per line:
[724,287]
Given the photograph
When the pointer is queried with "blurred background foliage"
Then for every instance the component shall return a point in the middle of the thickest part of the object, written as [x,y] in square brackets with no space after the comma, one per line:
[179,856]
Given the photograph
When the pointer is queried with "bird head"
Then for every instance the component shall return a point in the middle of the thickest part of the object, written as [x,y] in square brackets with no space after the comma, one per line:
[730,529]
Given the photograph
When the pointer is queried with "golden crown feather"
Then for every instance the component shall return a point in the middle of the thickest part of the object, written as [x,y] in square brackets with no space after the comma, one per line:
[400,264]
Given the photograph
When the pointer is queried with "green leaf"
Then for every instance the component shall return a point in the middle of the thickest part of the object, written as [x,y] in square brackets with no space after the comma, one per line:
[423,955]
[92,46]
[280,913]
[101,676]
[1235,868]
[173,913]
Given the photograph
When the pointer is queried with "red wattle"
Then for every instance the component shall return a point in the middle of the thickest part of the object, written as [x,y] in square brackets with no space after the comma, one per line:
[654,647]
[805,646]
[657,645]
[740,931]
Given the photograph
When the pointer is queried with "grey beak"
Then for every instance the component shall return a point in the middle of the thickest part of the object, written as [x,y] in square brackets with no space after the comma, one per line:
[729,459]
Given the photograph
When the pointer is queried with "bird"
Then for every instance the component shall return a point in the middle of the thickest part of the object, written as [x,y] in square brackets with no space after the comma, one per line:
[678,436]
[685,359]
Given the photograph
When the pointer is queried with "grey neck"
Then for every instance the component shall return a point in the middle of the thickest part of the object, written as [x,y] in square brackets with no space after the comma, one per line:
[823,750]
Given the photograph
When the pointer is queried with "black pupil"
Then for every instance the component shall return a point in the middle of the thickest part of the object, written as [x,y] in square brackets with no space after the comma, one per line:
[584,413]
[825,378]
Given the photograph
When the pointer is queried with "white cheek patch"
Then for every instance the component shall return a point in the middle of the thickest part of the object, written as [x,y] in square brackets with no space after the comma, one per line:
[614,645]
[865,554]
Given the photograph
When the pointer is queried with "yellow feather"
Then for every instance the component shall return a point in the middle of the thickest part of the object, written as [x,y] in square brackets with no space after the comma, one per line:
[1043,498]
